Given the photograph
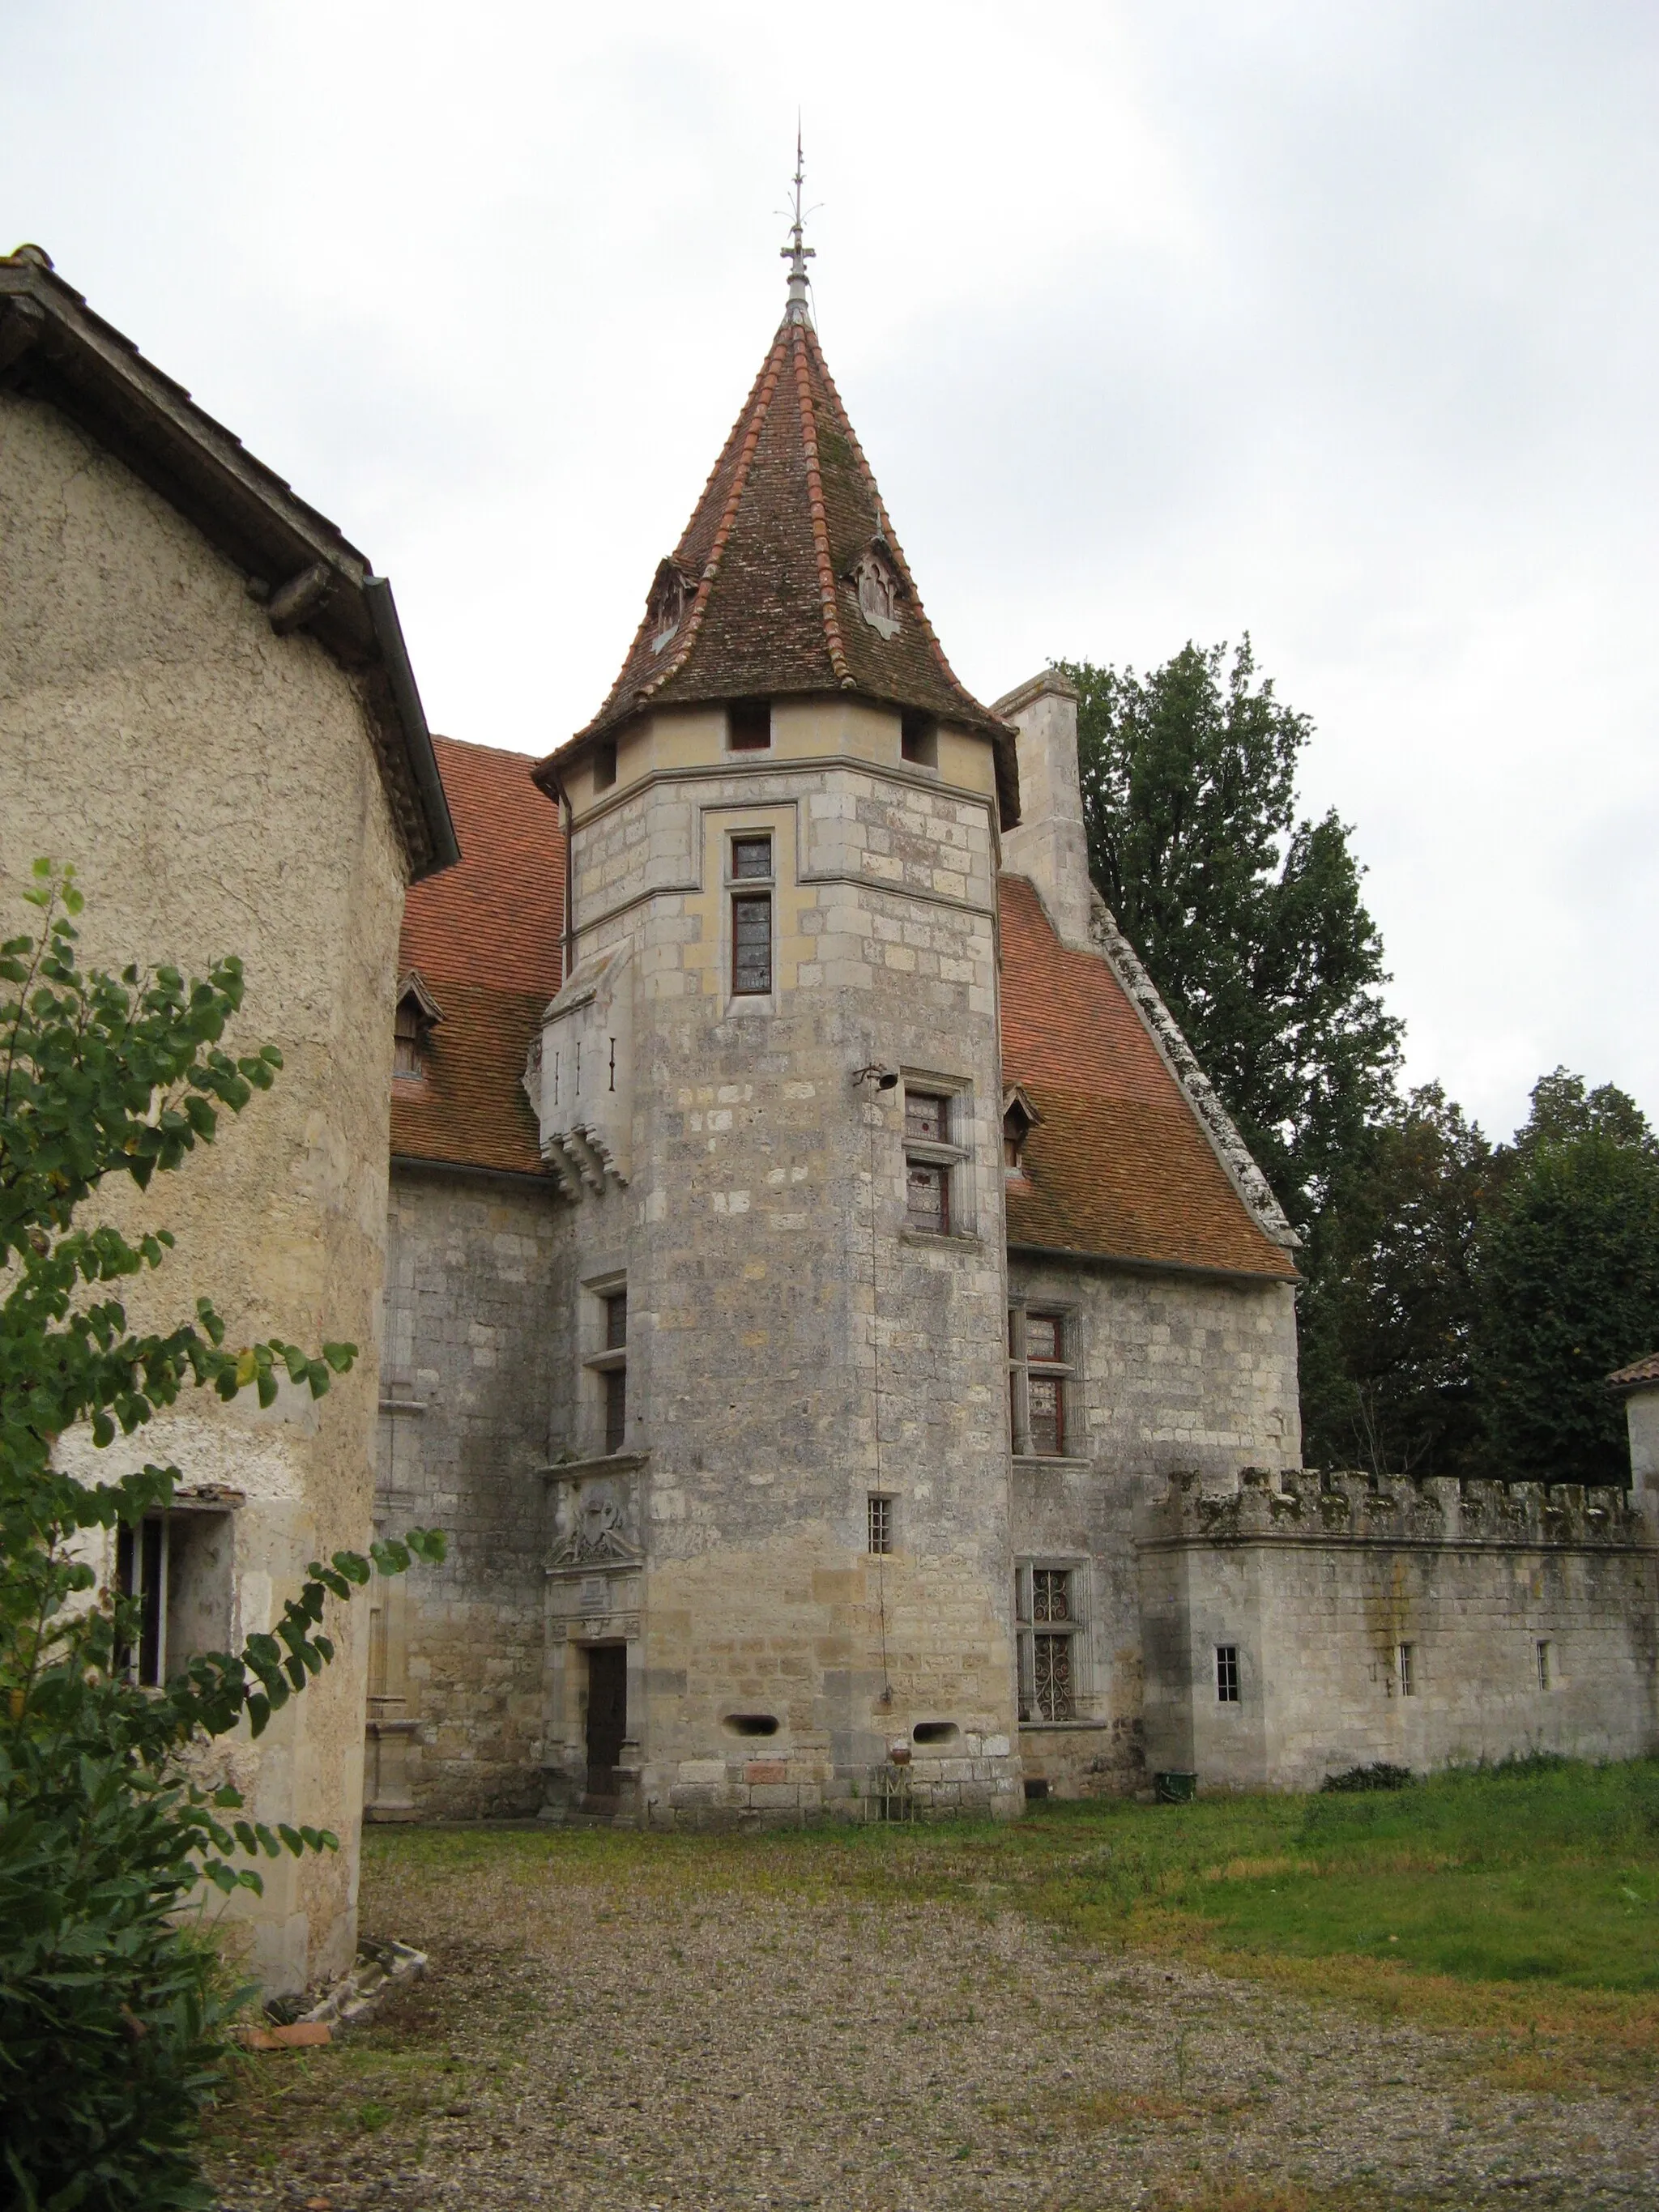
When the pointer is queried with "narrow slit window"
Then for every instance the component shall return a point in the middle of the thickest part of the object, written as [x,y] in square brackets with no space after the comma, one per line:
[1545,1664]
[605,764]
[615,1322]
[1407,1657]
[880,1522]
[1226,1674]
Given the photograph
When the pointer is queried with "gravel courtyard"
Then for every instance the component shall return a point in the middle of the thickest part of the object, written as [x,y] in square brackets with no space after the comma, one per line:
[616,2041]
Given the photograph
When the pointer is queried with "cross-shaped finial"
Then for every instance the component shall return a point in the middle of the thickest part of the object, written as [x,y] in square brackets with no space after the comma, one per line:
[796,254]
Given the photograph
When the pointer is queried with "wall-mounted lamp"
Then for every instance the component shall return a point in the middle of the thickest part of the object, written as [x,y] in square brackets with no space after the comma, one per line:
[884,1078]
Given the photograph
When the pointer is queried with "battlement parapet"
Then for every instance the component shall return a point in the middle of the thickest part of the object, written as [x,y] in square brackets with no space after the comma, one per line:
[1298,1504]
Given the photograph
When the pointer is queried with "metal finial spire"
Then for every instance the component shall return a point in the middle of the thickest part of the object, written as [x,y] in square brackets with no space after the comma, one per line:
[796,254]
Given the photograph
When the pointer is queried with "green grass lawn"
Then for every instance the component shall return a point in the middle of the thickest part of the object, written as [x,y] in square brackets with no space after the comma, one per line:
[1543,1872]
[1518,1904]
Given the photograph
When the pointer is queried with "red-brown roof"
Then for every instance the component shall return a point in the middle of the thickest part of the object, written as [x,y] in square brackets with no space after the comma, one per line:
[1639,1371]
[1118,1166]
[485,939]
[762,579]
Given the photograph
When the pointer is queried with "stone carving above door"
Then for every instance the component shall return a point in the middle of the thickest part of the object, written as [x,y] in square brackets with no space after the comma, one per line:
[596,1522]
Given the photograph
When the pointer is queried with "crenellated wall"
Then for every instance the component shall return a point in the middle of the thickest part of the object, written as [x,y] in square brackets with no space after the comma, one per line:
[1527,1613]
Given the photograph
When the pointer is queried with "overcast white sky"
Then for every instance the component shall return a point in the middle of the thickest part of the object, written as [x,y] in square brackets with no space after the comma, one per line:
[1334,322]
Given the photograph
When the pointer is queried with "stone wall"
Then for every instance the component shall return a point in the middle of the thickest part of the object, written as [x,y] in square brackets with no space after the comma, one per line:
[1316,1583]
[477,1297]
[1167,1370]
[217,787]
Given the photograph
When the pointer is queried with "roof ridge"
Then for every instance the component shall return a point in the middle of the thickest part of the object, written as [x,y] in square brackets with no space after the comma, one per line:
[809,433]
[888,534]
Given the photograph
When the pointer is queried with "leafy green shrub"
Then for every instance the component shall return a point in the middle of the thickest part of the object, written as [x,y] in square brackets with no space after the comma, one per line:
[1379,1775]
[114,2002]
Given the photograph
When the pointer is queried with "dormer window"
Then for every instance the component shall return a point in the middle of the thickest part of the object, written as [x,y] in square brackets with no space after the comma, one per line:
[417,1015]
[666,607]
[1019,1118]
[878,583]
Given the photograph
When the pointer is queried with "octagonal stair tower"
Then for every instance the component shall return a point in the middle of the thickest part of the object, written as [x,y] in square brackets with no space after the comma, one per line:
[779,1539]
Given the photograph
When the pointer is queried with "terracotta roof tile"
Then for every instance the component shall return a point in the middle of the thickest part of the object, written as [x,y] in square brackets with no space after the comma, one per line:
[765,573]
[1118,1165]
[1639,1372]
[485,938]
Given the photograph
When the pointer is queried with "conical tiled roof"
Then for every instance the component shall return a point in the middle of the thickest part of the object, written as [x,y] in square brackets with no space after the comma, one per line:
[761,598]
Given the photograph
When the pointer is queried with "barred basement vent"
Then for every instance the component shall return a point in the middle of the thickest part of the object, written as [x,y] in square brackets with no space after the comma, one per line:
[935,1732]
[753,1724]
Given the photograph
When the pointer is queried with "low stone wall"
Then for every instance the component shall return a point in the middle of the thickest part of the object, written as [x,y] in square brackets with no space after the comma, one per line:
[975,1775]
[1525,1613]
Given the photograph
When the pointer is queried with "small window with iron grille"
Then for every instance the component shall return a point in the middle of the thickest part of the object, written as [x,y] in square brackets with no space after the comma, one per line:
[1407,1663]
[1545,1664]
[751,917]
[880,1522]
[1050,1632]
[1226,1674]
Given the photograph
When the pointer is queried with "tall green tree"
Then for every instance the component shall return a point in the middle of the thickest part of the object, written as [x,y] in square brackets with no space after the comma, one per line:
[1391,1311]
[1250,918]
[1567,1269]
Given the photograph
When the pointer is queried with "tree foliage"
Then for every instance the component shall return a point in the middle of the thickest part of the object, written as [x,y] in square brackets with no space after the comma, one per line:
[113,2011]
[1391,1310]
[1250,920]
[1568,1282]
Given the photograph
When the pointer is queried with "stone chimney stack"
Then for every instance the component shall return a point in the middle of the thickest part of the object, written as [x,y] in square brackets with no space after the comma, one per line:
[1049,845]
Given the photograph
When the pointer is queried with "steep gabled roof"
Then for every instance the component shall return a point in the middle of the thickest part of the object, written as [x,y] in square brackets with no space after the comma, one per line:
[486,939]
[54,347]
[759,598]
[1119,1167]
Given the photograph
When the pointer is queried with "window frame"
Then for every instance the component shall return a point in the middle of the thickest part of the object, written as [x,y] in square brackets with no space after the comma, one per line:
[1406,1669]
[946,1155]
[1034,1625]
[752,889]
[1063,1371]
[165,1643]
[1228,1675]
[607,1363]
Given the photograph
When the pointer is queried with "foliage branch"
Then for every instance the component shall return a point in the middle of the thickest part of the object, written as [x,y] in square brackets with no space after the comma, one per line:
[112,2012]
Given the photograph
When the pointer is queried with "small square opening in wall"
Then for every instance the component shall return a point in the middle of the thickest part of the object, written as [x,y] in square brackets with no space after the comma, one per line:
[880,1522]
[919,741]
[1226,1674]
[748,726]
